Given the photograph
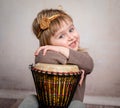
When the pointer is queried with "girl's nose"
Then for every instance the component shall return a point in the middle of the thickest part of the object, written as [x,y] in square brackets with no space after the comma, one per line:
[70,37]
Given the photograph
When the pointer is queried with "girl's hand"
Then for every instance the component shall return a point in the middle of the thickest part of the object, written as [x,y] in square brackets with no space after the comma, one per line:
[82,77]
[60,49]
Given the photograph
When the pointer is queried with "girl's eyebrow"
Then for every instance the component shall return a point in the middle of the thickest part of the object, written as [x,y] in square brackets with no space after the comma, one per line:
[72,25]
[60,32]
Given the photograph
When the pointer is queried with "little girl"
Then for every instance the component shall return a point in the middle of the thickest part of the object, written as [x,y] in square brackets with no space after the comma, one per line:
[59,44]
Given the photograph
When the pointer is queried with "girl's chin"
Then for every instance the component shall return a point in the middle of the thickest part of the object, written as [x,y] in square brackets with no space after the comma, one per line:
[74,47]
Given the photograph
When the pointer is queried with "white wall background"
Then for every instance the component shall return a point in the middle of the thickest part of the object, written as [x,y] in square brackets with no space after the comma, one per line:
[98,22]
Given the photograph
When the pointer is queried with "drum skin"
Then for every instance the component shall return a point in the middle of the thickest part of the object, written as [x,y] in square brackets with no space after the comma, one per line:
[55,84]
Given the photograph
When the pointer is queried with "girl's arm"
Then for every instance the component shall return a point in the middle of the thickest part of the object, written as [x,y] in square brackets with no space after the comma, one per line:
[51,57]
[82,59]
[59,49]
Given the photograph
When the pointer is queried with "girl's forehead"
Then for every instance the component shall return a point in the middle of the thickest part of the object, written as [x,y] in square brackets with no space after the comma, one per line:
[65,24]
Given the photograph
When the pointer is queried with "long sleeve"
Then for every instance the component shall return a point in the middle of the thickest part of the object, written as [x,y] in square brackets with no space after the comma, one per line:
[81,59]
[51,57]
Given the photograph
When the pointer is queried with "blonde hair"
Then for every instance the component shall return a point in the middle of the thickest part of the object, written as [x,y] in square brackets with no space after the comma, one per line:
[47,23]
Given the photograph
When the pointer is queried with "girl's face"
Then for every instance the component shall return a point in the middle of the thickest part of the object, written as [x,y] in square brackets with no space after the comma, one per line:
[66,36]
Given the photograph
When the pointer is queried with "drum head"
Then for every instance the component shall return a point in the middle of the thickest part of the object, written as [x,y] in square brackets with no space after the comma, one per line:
[56,67]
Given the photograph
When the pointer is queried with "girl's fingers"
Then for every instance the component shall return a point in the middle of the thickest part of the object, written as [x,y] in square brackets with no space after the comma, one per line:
[44,48]
[82,77]
[37,51]
[45,51]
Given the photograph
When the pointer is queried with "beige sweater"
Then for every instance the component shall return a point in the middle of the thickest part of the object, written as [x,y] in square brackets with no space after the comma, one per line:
[82,59]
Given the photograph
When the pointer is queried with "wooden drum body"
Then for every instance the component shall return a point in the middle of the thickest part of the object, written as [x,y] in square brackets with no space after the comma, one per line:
[55,84]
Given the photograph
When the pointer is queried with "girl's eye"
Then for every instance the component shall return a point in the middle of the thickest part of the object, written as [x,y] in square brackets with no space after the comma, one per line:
[71,29]
[61,36]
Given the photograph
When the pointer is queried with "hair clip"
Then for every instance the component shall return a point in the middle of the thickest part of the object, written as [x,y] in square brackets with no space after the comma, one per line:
[45,21]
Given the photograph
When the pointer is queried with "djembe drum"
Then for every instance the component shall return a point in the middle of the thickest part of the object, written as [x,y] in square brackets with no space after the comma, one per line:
[55,84]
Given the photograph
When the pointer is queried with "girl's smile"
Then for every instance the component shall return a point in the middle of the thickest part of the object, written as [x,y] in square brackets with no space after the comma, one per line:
[73,44]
